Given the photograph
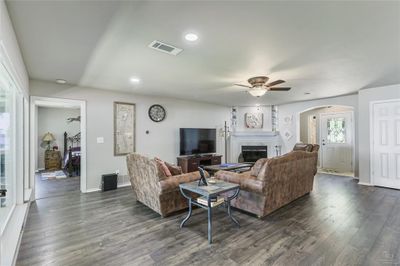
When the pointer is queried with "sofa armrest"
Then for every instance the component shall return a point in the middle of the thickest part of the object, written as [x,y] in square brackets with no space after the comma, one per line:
[172,183]
[245,180]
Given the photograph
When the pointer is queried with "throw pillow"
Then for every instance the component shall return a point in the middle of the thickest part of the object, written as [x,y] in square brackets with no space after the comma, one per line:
[175,170]
[255,170]
[163,167]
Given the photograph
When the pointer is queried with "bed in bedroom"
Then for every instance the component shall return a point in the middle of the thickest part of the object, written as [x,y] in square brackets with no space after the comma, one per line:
[72,154]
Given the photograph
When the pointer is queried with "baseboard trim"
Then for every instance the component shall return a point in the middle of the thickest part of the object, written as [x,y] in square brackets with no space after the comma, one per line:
[22,232]
[90,190]
[365,184]
[12,234]
[124,185]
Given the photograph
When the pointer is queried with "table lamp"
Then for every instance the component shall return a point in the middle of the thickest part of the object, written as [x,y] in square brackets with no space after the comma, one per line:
[48,137]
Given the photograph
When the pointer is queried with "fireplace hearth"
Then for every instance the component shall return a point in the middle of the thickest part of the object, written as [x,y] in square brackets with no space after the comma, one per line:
[251,153]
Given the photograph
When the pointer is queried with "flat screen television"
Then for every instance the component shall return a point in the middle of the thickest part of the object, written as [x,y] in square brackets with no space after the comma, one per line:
[197,140]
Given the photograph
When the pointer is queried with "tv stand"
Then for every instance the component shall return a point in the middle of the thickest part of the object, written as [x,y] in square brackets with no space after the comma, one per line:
[192,163]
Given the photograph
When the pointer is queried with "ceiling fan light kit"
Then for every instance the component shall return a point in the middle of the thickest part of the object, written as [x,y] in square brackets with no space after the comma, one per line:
[257,91]
[258,86]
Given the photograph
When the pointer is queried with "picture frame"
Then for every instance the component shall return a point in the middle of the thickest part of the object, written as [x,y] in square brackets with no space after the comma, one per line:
[254,120]
[124,128]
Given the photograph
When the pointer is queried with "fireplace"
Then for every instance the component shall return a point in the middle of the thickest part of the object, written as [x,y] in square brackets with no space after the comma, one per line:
[253,153]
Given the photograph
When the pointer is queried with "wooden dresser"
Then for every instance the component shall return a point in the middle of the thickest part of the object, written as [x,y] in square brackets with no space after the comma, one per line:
[52,160]
[191,163]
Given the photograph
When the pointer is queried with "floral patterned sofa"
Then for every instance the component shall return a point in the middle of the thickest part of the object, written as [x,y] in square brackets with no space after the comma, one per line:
[275,182]
[154,189]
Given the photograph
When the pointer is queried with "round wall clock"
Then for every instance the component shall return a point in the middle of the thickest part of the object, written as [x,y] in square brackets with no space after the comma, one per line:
[157,113]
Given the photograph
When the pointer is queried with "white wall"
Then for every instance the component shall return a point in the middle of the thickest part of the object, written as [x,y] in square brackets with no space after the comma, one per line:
[365,98]
[163,139]
[10,53]
[293,110]
[54,120]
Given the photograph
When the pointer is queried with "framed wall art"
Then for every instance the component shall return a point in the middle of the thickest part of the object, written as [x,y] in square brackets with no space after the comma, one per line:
[124,128]
[254,120]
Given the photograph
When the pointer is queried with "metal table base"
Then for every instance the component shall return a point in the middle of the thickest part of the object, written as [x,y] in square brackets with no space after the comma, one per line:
[192,201]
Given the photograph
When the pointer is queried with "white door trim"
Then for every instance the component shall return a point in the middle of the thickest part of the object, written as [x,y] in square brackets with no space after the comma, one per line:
[297,121]
[57,102]
[353,146]
[372,134]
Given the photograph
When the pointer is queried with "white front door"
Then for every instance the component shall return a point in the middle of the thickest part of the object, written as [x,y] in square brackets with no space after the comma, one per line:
[385,154]
[336,141]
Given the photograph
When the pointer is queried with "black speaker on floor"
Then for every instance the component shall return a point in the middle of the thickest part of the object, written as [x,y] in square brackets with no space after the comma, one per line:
[109,182]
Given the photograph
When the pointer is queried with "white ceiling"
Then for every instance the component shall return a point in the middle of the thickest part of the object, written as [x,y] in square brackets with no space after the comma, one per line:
[326,48]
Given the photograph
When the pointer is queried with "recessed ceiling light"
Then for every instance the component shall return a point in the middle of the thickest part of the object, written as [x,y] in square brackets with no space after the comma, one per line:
[191,37]
[61,81]
[134,80]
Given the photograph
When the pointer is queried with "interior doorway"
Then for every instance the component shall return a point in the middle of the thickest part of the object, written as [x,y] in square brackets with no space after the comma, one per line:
[58,146]
[385,140]
[332,128]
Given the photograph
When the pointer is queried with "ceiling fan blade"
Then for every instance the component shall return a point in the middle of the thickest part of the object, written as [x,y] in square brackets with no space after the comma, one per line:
[273,83]
[279,89]
[241,85]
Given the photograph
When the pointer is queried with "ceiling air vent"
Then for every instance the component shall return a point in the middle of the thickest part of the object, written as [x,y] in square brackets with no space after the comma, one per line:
[165,48]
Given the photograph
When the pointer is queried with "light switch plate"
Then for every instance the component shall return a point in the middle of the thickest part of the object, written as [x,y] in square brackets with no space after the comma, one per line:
[100,140]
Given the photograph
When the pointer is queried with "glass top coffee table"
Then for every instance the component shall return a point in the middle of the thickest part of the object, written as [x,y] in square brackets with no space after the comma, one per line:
[210,192]
[227,167]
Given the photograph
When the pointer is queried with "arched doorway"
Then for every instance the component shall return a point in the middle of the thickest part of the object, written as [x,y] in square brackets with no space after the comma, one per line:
[332,127]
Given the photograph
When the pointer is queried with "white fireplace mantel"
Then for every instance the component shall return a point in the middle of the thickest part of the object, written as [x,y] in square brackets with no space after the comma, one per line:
[257,138]
[254,134]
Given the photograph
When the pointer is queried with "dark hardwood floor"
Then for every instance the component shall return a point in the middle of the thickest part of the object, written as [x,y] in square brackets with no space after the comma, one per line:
[339,223]
[56,187]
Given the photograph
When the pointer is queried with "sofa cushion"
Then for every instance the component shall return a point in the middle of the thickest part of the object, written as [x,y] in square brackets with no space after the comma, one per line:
[171,184]
[255,170]
[315,148]
[303,147]
[174,169]
[163,170]
[245,180]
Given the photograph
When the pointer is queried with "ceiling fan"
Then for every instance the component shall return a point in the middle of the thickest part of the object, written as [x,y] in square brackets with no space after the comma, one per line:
[259,86]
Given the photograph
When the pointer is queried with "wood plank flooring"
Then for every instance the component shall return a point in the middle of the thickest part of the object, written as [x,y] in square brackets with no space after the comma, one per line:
[56,187]
[339,223]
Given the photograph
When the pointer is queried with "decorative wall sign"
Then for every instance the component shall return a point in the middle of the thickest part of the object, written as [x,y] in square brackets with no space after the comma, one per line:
[157,113]
[124,128]
[288,119]
[254,120]
[287,134]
